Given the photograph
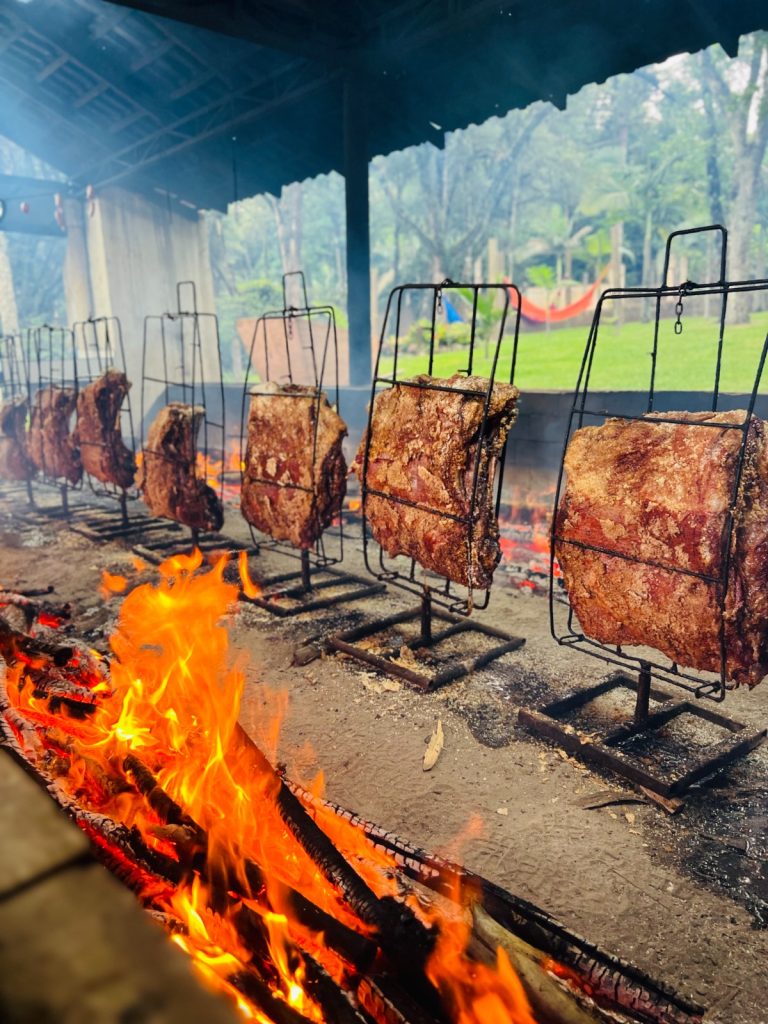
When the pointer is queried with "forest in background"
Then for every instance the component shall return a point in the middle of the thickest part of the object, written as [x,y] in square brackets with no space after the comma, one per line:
[547,197]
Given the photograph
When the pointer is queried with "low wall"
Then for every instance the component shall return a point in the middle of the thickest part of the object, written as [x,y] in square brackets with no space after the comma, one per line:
[536,441]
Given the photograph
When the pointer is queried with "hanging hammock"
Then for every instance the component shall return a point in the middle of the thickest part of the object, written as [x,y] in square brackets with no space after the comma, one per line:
[541,315]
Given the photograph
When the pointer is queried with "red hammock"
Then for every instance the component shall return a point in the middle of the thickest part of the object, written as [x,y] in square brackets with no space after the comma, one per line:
[540,315]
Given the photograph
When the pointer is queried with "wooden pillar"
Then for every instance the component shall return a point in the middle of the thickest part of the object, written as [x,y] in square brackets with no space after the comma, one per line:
[358,232]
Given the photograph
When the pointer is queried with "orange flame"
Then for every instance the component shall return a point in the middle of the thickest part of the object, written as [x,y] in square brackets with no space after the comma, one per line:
[173,699]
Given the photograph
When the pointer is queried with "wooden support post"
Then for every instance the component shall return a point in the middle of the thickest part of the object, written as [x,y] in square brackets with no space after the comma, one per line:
[358,234]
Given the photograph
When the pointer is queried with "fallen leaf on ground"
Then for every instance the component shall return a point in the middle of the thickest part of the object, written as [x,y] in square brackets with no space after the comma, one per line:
[434,747]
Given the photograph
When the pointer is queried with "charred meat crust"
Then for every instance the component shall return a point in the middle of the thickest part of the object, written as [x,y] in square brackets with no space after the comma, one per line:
[424,443]
[167,476]
[51,446]
[294,479]
[105,457]
[660,493]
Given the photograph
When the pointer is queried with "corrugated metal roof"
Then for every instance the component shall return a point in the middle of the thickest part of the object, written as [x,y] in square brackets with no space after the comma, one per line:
[110,92]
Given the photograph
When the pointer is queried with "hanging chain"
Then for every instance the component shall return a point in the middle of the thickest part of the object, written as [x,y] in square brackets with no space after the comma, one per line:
[679,310]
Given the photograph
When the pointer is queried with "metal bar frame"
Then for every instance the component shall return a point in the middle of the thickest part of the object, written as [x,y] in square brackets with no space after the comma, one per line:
[99,347]
[435,592]
[187,335]
[322,346]
[551,720]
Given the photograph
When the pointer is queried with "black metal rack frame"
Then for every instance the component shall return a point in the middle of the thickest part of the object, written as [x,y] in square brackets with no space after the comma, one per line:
[51,363]
[14,378]
[313,328]
[640,669]
[99,347]
[190,347]
[435,592]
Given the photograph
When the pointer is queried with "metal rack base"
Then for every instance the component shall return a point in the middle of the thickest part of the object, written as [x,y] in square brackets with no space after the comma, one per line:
[293,593]
[175,541]
[347,642]
[552,723]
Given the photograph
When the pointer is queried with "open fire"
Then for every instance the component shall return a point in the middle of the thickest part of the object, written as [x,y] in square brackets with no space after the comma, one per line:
[282,903]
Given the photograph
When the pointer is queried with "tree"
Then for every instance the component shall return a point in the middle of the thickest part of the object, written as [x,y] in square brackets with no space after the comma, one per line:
[738,92]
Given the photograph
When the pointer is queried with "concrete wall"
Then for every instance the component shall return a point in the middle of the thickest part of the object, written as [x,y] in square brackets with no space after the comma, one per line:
[125,255]
[536,440]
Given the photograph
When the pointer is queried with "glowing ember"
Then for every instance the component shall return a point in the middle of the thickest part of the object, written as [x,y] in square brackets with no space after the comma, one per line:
[163,756]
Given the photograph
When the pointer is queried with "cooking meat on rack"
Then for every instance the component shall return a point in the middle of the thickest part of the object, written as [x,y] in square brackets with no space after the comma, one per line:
[294,479]
[105,456]
[653,497]
[14,461]
[51,445]
[427,441]
[167,475]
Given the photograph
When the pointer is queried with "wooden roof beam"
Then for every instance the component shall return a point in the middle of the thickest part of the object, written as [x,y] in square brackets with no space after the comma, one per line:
[52,67]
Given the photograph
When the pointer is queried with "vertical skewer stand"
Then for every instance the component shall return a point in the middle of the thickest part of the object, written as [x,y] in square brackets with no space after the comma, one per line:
[302,342]
[625,749]
[439,600]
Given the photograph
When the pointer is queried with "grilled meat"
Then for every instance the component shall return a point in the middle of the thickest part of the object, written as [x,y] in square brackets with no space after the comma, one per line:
[294,479]
[105,457]
[655,498]
[50,444]
[14,460]
[167,475]
[426,443]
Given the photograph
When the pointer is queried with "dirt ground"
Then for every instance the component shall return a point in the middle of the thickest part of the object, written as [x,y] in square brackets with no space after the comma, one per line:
[685,897]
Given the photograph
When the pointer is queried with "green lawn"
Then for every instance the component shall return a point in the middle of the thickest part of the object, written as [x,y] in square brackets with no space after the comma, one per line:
[551,359]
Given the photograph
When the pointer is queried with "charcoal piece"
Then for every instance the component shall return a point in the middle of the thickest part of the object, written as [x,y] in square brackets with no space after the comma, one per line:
[660,493]
[295,474]
[105,457]
[167,475]
[15,463]
[50,444]
[424,444]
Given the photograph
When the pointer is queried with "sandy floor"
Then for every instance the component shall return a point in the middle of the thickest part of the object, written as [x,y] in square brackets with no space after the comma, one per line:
[680,896]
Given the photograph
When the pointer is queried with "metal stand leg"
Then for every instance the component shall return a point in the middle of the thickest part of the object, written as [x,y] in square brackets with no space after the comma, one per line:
[124,508]
[426,618]
[64,500]
[195,539]
[306,579]
[642,703]
[30,494]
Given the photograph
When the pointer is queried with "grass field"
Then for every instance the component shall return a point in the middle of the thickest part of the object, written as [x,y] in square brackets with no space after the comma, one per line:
[551,359]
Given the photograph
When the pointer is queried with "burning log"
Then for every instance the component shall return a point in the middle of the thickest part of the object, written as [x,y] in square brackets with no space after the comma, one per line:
[551,999]
[192,840]
[16,646]
[401,935]
[166,808]
[383,999]
[47,614]
[611,981]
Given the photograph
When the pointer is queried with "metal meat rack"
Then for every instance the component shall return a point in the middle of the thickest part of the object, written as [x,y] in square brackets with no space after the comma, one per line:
[304,350]
[628,749]
[14,383]
[98,347]
[440,599]
[185,345]
[50,361]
